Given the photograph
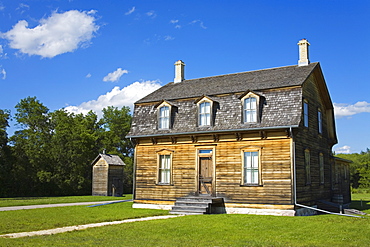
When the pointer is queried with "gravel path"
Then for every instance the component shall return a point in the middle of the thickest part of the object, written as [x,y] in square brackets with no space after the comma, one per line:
[80,227]
[59,205]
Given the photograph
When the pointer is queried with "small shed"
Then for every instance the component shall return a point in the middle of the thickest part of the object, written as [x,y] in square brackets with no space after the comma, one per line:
[107,175]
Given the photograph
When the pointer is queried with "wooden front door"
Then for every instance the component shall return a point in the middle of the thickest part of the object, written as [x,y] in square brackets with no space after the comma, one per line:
[205,174]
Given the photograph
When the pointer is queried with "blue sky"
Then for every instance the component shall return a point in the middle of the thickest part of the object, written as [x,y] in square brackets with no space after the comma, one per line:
[88,54]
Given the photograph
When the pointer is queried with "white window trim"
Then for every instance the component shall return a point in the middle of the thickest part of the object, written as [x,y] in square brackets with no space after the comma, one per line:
[205,100]
[164,104]
[250,95]
[164,153]
[259,151]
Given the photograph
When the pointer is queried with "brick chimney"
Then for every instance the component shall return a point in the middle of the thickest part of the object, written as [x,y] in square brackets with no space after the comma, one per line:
[179,71]
[303,52]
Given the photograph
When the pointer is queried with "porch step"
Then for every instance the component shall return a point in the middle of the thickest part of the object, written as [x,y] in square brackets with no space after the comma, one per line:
[195,204]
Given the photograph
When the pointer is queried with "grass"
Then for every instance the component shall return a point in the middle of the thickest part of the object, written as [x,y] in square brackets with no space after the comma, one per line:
[23,201]
[202,230]
[48,218]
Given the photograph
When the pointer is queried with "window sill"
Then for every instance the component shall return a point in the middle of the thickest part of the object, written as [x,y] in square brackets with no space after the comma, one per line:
[251,185]
[163,184]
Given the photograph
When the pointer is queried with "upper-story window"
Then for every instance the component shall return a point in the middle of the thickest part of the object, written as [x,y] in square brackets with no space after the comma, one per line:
[305,113]
[164,117]
[164,109]
[250,110]
[250,105]
[204,114]
[319,120]
[205,111]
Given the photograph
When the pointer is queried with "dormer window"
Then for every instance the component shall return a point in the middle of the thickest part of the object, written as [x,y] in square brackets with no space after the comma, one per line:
[250,103]
[205,111]
[204,114]
[164,117]
[164,109]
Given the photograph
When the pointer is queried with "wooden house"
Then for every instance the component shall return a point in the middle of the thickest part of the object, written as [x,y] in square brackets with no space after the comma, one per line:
[255,142]
[107,179]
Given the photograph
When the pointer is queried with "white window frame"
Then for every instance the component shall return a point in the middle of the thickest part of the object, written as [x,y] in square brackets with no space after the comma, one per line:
[164,121]
[250,112]
[164,169]
[251,167]
[205,117]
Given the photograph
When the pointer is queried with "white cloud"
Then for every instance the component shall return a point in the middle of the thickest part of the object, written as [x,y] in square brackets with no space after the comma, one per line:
[1,50]
[201,24]
[174,21]
[343,150]
[126,96]
[58,34]
[88,75]
[130,11]
[168,37]
[346,110]
[115,75]
[151,14]
[3,72]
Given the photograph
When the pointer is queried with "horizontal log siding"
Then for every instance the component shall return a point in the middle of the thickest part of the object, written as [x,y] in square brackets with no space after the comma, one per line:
[275,164]
[309,138]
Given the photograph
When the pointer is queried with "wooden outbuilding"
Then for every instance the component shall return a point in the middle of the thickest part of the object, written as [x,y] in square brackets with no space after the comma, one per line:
[260,140]
[107,176]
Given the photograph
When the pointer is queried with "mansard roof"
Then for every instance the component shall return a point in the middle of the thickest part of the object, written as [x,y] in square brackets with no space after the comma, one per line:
[233,83]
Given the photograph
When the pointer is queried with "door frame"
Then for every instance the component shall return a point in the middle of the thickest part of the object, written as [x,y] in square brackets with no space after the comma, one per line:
[197,163]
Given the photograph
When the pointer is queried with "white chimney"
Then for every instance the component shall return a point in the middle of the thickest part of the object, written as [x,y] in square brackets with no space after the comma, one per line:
[179,71]
[303,52]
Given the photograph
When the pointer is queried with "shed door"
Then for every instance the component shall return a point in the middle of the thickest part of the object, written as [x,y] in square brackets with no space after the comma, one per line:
[205,174]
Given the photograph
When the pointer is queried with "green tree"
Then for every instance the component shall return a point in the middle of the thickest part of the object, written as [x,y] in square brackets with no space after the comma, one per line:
[5,156]
[30,148]
[116,123]
[75,143]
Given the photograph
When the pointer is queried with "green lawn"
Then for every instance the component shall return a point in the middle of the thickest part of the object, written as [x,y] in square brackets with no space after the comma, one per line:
[23,201]
[202,230]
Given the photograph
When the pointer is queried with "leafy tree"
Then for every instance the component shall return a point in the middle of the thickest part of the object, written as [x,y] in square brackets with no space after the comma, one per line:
[5,163]
[30,147]
[116,123]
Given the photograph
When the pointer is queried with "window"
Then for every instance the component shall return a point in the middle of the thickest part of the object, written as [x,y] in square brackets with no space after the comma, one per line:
[307,166]
[251,168]
[250,110]
[164,169]
[164,117]
[321,163]
[305,113]
[319,119]
[205,113]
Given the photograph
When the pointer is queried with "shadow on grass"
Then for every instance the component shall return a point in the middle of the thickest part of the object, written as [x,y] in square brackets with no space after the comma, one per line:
[360,205]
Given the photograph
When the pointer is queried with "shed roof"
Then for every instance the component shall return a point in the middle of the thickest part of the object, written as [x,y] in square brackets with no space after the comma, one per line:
[232,83]
[111,159]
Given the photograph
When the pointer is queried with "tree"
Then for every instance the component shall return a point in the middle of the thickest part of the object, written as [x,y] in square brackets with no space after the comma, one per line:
[116,123]
[5,157]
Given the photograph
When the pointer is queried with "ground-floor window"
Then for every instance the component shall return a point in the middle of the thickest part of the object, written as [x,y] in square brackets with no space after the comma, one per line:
[164,168]
[251,170]
[307,166]
[321,163]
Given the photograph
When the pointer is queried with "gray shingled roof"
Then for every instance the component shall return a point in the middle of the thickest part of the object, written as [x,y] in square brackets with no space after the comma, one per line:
[233,83]
[279,108]
[111,159]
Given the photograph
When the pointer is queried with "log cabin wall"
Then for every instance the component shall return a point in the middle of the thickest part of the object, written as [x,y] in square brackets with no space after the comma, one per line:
[275,167]
[309,138]
[100,178]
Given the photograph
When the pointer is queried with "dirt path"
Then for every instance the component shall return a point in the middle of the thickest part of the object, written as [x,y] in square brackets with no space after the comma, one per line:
[81,227]
[59,205]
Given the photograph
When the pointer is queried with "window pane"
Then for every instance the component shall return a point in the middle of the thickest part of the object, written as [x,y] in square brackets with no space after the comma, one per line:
[305,113]
[165,169]
[319,116]
[251,168]
[250,110]
[164,119]
[205,113]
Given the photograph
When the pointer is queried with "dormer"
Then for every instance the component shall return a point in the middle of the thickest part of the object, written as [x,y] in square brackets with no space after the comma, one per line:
[250,107]
[205,107]
[164,113]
